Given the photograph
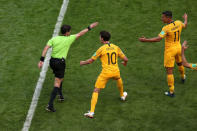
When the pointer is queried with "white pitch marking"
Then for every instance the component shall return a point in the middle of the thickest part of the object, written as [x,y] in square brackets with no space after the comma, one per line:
[41,79]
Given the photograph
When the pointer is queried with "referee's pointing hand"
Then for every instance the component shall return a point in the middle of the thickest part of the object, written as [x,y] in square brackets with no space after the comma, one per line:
[93,24]
[40,64]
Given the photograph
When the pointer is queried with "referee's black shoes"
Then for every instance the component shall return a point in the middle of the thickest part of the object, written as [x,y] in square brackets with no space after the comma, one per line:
[60,98]
[50,109]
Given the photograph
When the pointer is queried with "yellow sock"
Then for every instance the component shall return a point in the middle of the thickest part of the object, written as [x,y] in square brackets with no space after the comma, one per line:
[171,82]
[172,89]
[182,71]
[120,86]
[94,101]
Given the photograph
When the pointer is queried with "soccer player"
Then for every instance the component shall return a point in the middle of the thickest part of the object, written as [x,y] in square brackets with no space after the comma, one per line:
[108,54]
[172,33]
[185,63]
[60,46]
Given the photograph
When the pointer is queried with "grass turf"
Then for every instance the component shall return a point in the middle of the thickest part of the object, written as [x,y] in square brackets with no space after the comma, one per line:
[25,28]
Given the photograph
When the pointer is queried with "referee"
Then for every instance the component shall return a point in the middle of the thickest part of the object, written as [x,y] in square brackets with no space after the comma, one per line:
[60,46]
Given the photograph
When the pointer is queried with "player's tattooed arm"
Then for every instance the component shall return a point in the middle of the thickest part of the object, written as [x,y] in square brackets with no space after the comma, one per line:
[184,60]
[89,61]
[185,19]
[81,33]
[155,39]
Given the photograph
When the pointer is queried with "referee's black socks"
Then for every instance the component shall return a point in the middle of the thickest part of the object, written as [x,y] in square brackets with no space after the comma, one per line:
[60,90]
[53,95]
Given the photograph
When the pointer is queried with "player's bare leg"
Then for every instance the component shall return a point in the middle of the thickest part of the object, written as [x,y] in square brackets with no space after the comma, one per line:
[182,72]
[123,95]
[170,78]
[95,94]
[57,84]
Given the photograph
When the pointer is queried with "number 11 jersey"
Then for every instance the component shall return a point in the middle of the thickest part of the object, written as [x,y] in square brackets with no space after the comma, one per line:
[172,33]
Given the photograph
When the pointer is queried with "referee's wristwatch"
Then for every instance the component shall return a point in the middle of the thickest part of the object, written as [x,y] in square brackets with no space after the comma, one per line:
[42,58]
[89,28]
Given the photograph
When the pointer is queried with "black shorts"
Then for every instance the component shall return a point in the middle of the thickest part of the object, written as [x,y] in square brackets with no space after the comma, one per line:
[58,66]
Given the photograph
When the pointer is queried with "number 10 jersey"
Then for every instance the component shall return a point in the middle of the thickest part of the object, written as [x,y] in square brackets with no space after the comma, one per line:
[108,54]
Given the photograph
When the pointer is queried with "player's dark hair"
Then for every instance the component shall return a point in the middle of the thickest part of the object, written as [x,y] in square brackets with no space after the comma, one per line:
[105,35]
[65,28]
[167,13]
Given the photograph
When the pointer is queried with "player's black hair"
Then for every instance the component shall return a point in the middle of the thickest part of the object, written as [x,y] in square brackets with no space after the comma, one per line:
[65,28]
[167,13]
[105,35]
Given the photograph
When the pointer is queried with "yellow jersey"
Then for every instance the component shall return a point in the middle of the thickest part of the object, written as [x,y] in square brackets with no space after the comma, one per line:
[172,34]
[108,54]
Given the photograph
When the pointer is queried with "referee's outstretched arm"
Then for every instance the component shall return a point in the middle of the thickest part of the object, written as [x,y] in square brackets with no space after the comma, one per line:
[81,33]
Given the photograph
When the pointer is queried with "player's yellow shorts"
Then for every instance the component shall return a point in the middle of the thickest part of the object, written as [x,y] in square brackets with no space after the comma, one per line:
[171,55]
[104,77]
[193,66]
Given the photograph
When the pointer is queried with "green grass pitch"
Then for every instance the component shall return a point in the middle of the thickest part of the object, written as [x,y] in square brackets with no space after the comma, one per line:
[26,26]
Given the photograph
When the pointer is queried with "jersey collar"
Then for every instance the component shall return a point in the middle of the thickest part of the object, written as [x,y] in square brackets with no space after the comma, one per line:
[171,22]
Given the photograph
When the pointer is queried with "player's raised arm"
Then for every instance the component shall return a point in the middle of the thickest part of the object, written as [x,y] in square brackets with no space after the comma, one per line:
[155,39]
[185,20]
[89,61]
[184,60]
[43,56]
[81,33]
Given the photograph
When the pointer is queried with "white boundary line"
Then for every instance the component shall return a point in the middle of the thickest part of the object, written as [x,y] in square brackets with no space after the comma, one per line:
[41,79]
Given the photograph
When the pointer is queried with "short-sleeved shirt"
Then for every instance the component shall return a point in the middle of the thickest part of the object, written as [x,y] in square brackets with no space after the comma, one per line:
[172,34]
[108,55]
[61,45]
[193,66]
